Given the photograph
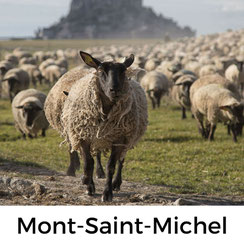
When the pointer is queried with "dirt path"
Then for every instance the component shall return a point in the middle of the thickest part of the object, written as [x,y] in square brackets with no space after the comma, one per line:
[47,187]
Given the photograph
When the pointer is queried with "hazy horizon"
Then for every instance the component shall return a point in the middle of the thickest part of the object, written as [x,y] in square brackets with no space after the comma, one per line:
[206,16]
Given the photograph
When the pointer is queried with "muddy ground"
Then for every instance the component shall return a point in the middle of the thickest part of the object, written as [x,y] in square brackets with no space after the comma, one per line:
[45,187]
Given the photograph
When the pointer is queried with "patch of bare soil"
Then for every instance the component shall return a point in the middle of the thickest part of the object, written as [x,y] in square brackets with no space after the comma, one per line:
[46,187]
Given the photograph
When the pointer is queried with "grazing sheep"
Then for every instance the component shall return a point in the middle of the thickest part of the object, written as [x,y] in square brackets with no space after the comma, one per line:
[181,92]
[14,81]
[155,85]
[216,103]
[28,113]
[217,79]
[34,73]
[104,111]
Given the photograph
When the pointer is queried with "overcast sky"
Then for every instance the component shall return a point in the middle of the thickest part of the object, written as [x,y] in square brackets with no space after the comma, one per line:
[23,17]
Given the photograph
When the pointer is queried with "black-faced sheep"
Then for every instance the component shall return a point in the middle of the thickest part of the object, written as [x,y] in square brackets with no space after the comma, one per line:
[28,113]
[104,111]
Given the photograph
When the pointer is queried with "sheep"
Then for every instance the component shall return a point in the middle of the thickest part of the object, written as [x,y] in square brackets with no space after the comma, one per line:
[52,73]
[27,60]
[4,67]
[53,109]
[182,72]
[14,81]
[155,85]
[34,73]
[207,69]
[233,74]
[104,111]
[28,113]
[217,79]
[216,103]
[181,92]
[12,59]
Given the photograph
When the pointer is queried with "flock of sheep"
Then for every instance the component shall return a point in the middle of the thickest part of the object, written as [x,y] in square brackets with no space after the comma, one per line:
[101,105]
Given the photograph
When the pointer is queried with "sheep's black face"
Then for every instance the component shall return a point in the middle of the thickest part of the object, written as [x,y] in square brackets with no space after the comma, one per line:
[111,75]
[12,82]
[237,111]
[30,111]
[112,79]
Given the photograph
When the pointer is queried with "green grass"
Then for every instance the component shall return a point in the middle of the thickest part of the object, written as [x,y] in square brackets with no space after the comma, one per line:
[171,154]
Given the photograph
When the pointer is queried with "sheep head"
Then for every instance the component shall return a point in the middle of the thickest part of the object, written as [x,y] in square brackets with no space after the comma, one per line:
[30,111]
[111,75]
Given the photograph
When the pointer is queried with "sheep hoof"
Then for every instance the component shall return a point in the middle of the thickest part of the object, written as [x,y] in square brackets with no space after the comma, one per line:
[116,185]
[100,174]
[70,172]
[91,189]
[107,196]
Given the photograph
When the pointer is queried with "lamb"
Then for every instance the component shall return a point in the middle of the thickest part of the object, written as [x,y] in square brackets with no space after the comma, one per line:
[155,84]
[181,92]
[28,113]
[14,81]
[104,111]
[216,103]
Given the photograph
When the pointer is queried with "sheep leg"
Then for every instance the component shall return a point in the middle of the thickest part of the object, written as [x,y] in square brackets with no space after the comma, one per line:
[233,130]
[153,102]
[228,129]
[199,119]
[211,133]
[99,168]
[30,136]
[183,113]
[74,163]
[43,132]
[158,100]
[88,168]
[108,190]
[118,178]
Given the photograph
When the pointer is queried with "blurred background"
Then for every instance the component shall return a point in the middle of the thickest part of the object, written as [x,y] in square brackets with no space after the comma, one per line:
[22,18]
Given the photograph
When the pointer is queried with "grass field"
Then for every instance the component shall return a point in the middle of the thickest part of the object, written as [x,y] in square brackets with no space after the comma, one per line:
[170,154]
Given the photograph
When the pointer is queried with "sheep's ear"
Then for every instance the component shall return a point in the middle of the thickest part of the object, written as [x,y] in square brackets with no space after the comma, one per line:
[19,107]
[65,93]
[89,60]
[129,61]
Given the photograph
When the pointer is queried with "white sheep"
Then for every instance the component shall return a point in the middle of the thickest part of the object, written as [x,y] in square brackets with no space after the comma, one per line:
[14,81]
[181,92]
[104,111]
[28,113]
[34,73]
[54,107]
[216,103]
[155,84]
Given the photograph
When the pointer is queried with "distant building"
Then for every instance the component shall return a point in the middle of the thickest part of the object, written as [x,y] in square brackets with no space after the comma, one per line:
[107,19]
